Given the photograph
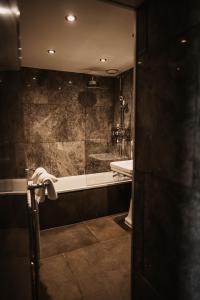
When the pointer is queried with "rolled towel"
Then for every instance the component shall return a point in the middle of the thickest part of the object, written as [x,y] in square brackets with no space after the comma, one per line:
[41,176]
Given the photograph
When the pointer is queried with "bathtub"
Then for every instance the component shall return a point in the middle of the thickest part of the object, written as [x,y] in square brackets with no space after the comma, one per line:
[80,197]
[13,186]
[66,184]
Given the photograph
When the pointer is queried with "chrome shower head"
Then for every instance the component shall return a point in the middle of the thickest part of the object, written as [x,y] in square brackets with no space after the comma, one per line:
[92,83]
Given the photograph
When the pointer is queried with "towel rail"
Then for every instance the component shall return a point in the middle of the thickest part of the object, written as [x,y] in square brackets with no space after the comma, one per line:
[35,238]
[34,186]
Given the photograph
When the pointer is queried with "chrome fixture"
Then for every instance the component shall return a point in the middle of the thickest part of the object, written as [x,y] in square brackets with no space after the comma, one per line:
[120,133]
[92,83]
[123,109]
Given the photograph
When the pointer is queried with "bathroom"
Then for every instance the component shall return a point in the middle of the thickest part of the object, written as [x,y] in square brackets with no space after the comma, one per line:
[104,96]
[70,112]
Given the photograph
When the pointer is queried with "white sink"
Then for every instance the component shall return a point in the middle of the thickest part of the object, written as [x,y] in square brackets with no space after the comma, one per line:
[123,167]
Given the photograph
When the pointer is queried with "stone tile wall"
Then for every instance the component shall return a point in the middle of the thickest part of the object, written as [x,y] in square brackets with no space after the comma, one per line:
[50,119]
[127,92]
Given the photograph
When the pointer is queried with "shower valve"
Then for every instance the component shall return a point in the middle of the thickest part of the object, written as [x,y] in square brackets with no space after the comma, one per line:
[120,133]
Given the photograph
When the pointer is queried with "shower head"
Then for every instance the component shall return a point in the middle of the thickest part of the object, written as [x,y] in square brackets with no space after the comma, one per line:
[92,84]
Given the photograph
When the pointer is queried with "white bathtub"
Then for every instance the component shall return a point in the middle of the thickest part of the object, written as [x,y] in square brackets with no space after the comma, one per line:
[66,184]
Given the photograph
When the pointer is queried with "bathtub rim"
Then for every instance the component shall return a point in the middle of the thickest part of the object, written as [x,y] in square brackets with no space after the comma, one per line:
[81,188]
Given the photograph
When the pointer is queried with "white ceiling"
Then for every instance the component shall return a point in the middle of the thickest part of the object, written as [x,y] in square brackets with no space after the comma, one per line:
[101,30]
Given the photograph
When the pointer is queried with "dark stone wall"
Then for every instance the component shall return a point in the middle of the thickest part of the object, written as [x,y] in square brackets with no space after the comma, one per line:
[166,198]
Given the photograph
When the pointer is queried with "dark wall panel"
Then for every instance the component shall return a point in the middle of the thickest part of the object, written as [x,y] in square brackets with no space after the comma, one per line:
[166,237]
[9,34]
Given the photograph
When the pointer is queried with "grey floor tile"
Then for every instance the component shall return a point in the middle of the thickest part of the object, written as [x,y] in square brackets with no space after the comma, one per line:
[105,228]
[58,240]
[103,269]
[57,281]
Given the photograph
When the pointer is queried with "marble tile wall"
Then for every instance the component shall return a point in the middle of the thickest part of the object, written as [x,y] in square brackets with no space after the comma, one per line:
[54,121]
[50,119]
[127,92]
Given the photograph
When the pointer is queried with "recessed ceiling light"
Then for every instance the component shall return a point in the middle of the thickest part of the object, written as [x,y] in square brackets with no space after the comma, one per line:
[183,41]
[112,71]
[71,18]
[51,51]
[103,60]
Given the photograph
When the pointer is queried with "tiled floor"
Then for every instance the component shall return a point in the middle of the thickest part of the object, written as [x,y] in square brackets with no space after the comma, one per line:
[86,261]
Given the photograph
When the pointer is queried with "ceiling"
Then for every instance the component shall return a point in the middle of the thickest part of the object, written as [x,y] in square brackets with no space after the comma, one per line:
[101,30]
[130,3]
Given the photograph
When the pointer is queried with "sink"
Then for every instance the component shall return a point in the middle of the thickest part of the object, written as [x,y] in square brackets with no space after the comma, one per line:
[124,167]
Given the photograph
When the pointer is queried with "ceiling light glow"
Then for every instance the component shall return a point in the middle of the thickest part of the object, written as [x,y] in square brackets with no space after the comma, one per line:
[5,10]
[103,60]
[9,11]
[51,51]
[183,41]
[71,18]
[15,11]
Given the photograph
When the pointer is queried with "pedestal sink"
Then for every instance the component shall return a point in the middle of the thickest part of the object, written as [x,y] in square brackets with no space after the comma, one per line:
[124,167]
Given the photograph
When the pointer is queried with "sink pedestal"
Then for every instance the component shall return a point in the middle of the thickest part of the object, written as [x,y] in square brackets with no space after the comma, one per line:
[128,219]
[124,167]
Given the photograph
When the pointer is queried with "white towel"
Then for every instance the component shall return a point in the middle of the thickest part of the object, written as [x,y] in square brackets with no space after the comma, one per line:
[42,176]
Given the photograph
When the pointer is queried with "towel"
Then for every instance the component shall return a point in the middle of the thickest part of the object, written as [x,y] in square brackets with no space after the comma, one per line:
[42,176]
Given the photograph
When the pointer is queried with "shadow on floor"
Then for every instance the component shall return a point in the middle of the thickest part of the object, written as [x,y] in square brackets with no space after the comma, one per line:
[120,221]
